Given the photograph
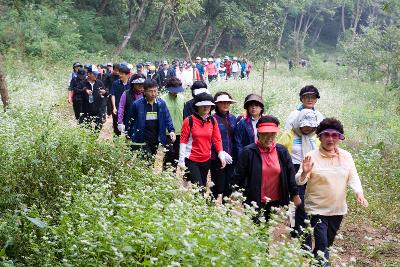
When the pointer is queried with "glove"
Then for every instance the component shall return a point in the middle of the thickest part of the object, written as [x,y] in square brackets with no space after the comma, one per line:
[221,156]
[121,128]
[228,158]
[173,136]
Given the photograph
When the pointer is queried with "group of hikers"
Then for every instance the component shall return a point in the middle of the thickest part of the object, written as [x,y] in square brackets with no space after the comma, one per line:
[302,164]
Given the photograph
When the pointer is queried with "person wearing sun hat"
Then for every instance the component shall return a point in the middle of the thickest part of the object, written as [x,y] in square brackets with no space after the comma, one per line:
[212,70]
[197,88]
[328,171]
[265,170]
[300,140]
[245,131]
[226,124]
[309,95]
[199,131]
[133,93]
[175,102]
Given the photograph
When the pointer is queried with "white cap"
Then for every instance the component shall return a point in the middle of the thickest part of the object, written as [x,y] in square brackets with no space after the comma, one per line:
[204,103]
[198,58]
[165,62]
[204,59]
[210,59]
[234,58]
[130,66]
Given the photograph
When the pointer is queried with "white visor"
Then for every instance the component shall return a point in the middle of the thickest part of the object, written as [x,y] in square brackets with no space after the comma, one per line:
[201,90]
[204,103]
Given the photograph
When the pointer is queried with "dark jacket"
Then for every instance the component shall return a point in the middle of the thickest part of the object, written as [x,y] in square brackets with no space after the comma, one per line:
[244,135]
[73,86]
[117,89]
[226,125]
[188,109]
[99,101]
[137,120]
[109,79]
[162,78]
[248,174]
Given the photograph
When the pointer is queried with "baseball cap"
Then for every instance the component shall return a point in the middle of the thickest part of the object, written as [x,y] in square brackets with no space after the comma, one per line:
[309,89]
[109,64]
[77,64]
[165,62]
[139,66]
[93,69]
[198,58]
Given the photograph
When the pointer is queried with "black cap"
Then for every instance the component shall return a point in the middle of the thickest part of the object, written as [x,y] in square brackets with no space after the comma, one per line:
[77,64]
[309,89]
[124,69]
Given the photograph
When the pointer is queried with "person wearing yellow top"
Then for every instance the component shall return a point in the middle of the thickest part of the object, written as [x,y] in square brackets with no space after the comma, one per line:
[299,140]
[328,171]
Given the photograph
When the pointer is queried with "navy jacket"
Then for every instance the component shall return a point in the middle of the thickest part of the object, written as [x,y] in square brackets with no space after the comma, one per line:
[226,133]
[137,120]
[248,174]
[117,89]
[162,78]
[244,135]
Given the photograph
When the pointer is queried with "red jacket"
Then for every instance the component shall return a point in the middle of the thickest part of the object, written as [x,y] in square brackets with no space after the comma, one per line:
[198,140]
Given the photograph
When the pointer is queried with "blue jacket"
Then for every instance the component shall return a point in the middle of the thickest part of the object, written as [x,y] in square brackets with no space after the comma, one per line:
[137,120]
[226,135]
[200,68]
[244,135]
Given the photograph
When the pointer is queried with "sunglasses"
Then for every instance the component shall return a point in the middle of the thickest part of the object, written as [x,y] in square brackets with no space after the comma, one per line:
[334,136]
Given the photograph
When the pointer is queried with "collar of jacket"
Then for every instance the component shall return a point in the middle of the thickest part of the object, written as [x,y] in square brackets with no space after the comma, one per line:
[200,118]
[219,114]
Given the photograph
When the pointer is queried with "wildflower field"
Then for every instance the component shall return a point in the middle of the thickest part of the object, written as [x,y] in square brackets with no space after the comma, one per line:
[69,198]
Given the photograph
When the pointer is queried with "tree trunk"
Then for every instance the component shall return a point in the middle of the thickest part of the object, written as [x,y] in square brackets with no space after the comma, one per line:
[343,25]
[214,49]
[205,38]
[230,41]
[101,7]
[161,19]
[132,27]
[171,35]
[316,35]
[263,79]
[189,57]
[3,85]
[196,39]
[280,39]
[164,25]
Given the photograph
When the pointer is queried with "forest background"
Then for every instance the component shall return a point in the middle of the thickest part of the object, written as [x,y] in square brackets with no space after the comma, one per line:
[65,199]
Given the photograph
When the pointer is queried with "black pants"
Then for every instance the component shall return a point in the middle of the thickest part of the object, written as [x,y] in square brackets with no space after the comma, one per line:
[109,106]
[221,178]
[267,207]
[300,213]
[212,78]
[115,124]
[87,119]
[325,229]
[197,171]
[77,106]
[172,153]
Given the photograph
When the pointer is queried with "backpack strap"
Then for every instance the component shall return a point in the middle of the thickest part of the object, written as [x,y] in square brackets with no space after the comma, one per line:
[190,122]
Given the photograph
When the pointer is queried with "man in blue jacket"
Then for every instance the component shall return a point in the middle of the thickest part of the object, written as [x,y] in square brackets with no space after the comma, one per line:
[200,67]
[149,119]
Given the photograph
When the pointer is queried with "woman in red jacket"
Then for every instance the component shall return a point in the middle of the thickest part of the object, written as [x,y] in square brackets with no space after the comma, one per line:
[198,132]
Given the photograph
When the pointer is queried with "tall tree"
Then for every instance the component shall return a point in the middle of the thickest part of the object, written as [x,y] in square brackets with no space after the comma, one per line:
[134,23]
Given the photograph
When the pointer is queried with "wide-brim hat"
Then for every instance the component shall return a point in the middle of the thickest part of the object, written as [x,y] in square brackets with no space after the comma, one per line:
[203,99]
[308,117]
[267,127]
[224,98]
[253,98]
[178,89]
